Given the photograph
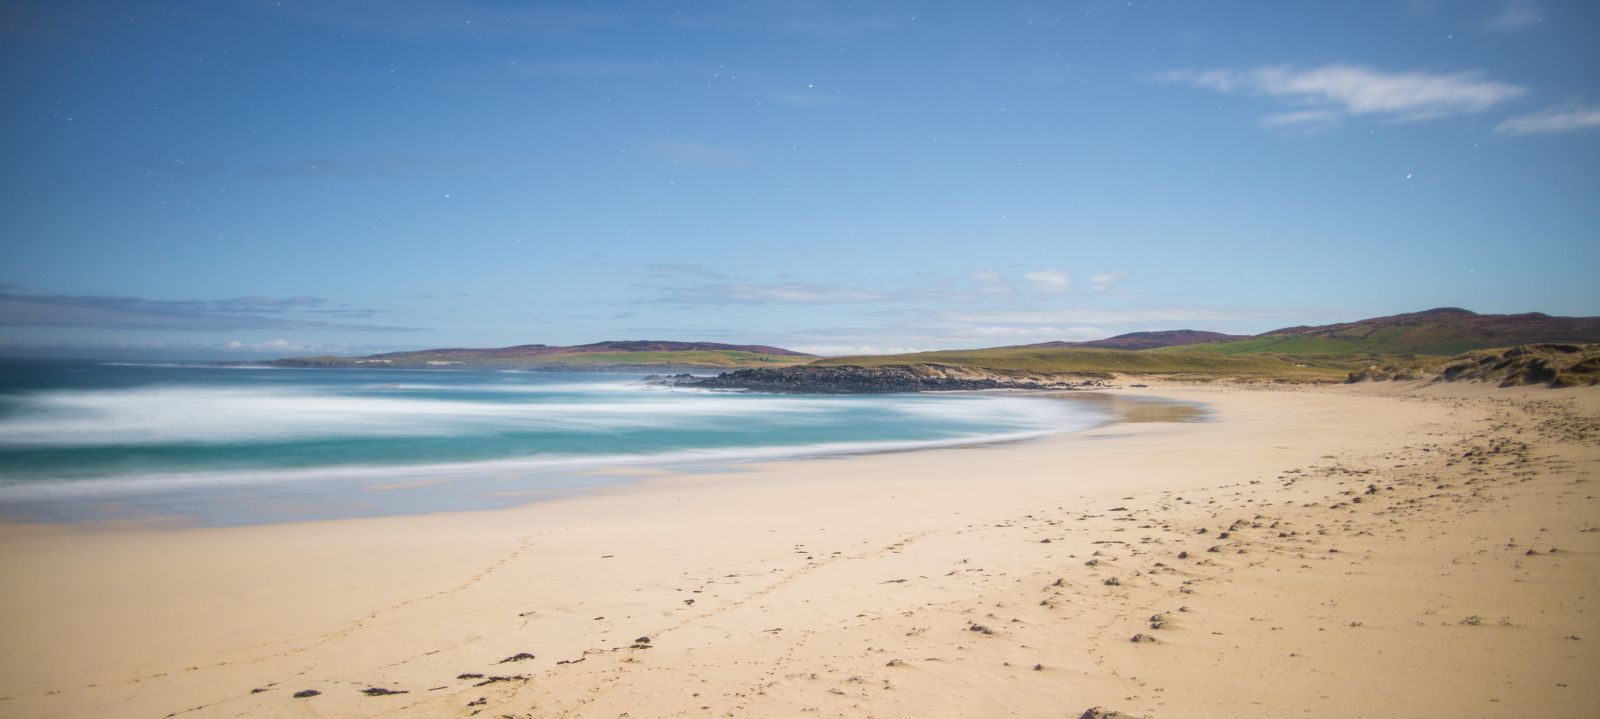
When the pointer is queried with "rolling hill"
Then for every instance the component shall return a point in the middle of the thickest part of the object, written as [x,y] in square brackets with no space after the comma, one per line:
[1409,342]
[1446,331]
[1145,340]
[642,354]
[1418,343]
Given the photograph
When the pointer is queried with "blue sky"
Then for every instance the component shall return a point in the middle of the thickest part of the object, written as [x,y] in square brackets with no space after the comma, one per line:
[233,178]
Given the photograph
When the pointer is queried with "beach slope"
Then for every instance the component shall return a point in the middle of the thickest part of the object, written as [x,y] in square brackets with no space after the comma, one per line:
[1360,550]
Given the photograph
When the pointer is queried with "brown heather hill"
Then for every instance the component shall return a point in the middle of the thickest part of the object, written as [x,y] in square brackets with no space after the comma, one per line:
[1148,340]
[1446,331]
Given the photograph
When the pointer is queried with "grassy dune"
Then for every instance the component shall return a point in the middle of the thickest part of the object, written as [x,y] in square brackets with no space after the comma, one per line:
[1101,363]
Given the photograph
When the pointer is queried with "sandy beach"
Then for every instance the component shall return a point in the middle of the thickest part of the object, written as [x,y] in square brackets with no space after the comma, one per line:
[1365,550]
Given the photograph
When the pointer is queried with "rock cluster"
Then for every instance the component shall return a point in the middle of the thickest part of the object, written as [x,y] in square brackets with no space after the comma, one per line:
[850,379]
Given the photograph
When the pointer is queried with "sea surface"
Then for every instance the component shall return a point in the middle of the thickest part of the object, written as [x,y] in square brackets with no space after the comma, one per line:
[234,445]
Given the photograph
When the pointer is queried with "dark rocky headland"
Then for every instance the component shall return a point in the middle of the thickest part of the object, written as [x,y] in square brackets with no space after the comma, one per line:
[850,379]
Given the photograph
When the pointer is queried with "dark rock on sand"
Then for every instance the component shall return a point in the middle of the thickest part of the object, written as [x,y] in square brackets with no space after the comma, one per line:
[1103,713]
[850,379]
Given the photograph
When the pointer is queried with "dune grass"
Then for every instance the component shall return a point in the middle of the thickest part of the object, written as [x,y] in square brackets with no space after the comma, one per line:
[1101,362]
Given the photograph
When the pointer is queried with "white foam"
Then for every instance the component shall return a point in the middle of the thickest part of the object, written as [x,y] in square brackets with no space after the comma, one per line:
[511,388]
[199,415]
[43,489]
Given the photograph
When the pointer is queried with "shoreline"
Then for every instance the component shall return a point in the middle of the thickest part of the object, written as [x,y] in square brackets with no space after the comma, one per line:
[851,584]
[554,476]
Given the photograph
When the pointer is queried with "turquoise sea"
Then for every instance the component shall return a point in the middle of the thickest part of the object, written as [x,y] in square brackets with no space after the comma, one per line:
[225,445]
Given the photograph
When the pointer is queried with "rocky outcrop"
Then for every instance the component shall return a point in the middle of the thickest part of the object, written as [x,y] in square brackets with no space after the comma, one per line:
[850,379]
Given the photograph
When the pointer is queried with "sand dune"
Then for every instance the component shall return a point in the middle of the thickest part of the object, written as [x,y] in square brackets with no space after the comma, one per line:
[1350,551]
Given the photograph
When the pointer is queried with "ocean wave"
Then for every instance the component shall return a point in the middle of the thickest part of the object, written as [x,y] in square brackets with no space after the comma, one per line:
[36,489]
[191,415]
[513,388]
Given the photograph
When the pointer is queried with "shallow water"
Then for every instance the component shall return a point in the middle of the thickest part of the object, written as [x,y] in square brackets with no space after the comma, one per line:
[219,445]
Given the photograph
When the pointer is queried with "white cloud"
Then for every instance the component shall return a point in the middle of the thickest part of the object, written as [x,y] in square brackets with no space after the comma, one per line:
[844,350]
[989,282]
[1301,118]
[1104,281]
[1084,316]
[1332,92]
[1050,280]
[279,345]
[1555,119]
[1041,333]
[1517,15]
[776,293]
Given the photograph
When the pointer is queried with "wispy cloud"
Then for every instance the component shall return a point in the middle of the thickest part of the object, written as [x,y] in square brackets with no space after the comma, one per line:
[1333,92]
[689,284]
[990,283]
[1304,119]
[1049,280]
[275,346]
[950,327]
[1105,281]
[1082,315]
[151,349]
[239,313]
[1517,15]
[1036,333]
[774,293]
[681,269]
[840,350]
[1552,120]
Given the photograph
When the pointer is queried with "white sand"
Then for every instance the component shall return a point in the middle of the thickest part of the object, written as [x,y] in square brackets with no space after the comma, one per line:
[849,587]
